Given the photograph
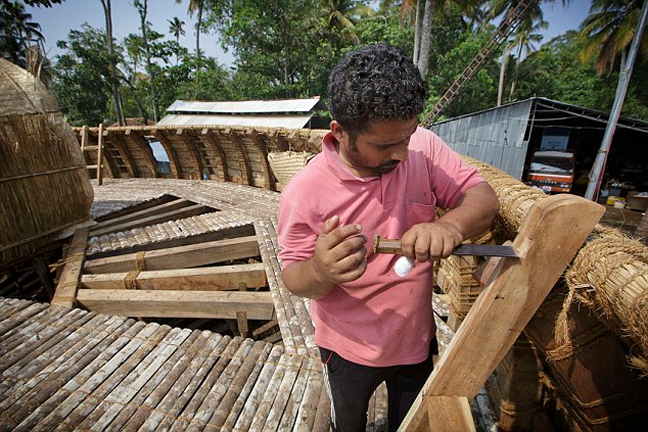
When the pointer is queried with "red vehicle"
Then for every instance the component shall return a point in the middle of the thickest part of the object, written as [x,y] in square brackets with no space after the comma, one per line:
[552,170]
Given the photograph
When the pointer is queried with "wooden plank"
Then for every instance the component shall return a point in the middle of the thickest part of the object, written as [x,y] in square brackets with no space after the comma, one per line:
[178,304]
[240,231]
[100,145]
[65,294]
[178,257]
[153,202]
[173,210]
[207,278]
[548,239]
[451,414]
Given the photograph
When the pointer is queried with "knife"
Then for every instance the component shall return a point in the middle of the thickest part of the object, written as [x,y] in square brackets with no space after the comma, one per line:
[393,246]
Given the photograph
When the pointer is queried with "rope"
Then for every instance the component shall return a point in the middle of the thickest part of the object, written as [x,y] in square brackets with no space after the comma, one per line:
[140,265]
[129,280]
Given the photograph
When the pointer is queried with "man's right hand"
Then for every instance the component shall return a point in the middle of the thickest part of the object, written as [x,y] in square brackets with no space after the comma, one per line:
[340,253]
[340,256]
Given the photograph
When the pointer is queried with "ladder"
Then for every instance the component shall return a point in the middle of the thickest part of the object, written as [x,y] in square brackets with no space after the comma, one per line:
[505,29]
[99,148]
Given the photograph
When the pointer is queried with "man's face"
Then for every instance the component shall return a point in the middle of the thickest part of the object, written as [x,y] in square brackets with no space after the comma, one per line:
[378,150]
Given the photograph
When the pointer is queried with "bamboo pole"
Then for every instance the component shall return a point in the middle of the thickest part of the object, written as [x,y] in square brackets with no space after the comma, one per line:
[100,145]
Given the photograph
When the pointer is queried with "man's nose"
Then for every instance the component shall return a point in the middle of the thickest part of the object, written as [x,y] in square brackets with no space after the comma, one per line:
[401,152]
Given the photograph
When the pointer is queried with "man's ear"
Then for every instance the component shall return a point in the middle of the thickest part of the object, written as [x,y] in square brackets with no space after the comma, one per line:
[337,130]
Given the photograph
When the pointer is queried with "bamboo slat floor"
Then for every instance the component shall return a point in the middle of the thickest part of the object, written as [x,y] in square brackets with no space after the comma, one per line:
[72,369]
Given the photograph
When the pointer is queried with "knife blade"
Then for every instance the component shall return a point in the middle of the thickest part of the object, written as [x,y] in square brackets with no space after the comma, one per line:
[393,246]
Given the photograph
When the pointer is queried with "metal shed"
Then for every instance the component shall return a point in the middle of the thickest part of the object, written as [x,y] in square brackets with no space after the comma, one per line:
[504,137]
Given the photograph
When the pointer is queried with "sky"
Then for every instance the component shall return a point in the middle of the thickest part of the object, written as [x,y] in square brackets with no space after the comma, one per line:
[56,22]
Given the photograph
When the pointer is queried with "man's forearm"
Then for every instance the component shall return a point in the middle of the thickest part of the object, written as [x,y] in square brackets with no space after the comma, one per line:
[301,279]
[475,211]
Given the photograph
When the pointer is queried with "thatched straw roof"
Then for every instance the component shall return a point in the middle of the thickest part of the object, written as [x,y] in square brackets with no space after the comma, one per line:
[43,180]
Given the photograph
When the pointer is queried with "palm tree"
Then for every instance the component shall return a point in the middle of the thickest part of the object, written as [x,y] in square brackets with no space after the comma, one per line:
[525,43]
[142,10]
[175,28]
[17,31]
[113,66]
[423,25]
[609,30]
[532,20]
[196,7]
[343,15]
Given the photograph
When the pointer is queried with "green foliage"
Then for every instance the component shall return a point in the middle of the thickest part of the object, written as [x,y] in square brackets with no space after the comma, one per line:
[17,32]
[81,81]
[560,75]
[287,48]
[480,92]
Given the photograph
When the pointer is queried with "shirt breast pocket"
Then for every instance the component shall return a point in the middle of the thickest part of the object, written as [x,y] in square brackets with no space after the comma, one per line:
[420,213]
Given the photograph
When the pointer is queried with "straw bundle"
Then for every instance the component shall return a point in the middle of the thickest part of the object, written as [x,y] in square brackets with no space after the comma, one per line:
[609,274]
[44,185]
[286,164]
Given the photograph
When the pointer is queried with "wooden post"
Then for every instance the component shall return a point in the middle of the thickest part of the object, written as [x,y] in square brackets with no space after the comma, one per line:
[548,239]
[84,137]
[100,155]
[66,289]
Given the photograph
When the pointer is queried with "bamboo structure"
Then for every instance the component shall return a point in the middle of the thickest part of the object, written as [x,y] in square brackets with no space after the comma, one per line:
[262,157]
[40,162]
[609,273]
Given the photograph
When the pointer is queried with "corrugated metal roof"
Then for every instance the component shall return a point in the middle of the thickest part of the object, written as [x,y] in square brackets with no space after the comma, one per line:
[280,121]
[495,137]
[244,107]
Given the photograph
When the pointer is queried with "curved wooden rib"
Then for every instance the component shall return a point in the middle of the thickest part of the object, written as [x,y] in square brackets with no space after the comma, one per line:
[176,167]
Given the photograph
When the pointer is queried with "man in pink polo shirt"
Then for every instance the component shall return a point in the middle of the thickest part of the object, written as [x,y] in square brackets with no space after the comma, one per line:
[378,174]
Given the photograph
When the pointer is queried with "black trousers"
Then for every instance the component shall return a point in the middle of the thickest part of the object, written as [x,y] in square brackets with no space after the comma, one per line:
[351,385]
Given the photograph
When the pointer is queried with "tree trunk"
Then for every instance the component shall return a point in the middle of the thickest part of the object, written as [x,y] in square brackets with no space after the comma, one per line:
[500,88]
[516,74]
[426,35]
[417,32]
[113,67]
[198,26]
[142,9]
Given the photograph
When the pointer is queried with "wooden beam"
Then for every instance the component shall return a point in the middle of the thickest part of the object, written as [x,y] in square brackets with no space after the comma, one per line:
[233,136]
[174,160]
[147,211]
[451,414]
[548,239]
[125,153]
[66,289]
[218,278]
[100,146]
[179,304]
[138,207]
[239,231]
[187,139]
[178,257]
[263,148]
[180,213]
[139,142]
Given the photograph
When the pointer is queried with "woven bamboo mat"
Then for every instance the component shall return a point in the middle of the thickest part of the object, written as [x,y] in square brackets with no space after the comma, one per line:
[70,369]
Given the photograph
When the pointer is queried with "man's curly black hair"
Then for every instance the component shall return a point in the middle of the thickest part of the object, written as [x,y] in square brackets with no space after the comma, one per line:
[375,83]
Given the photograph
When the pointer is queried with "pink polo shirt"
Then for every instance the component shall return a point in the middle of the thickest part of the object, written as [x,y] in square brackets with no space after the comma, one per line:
[379,319]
